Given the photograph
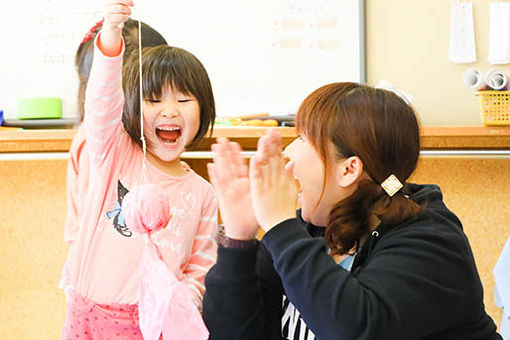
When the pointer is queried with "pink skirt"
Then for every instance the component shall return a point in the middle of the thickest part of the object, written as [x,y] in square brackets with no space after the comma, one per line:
[88,320]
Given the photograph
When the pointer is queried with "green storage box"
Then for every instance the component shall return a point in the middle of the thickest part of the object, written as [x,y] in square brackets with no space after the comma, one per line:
[39,108]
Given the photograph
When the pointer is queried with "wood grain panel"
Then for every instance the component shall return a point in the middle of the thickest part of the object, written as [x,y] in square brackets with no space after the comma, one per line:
[32,249]
[477,190]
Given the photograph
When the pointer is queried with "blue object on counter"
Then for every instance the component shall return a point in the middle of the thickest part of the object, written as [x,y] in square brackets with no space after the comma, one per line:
[1,117]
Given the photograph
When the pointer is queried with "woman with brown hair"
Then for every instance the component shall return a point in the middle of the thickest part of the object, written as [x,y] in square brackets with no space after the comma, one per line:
[368,255]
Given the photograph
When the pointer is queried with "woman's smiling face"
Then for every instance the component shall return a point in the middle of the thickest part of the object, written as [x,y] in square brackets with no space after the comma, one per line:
[306,166]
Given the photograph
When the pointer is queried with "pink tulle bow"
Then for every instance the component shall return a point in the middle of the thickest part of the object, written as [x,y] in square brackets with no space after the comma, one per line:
[146,209]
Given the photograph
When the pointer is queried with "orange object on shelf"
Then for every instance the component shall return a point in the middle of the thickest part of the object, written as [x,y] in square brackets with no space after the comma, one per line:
[252,122]
[270,122]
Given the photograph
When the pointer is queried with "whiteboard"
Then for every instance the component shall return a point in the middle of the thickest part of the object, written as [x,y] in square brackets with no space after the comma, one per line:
[261,55]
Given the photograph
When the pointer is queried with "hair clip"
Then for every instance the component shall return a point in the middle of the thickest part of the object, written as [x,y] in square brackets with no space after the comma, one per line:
[383,84]
[391,185]
[90,33]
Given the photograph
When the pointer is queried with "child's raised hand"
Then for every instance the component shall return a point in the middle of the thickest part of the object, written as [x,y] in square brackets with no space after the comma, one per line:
[229,176]
[274,193]
[115,13]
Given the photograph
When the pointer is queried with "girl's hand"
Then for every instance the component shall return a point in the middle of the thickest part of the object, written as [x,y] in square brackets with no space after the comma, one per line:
[273,191]
[116,13]
[229,176]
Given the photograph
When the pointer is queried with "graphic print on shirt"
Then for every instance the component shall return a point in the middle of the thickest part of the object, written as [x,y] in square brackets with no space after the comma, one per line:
[293,325]
[118,219]
[182,210]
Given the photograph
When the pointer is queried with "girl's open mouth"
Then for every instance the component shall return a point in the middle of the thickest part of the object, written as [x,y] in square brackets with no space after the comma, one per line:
[168,134]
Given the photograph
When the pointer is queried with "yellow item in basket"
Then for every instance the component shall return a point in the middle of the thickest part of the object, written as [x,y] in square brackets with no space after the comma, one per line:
[494,107]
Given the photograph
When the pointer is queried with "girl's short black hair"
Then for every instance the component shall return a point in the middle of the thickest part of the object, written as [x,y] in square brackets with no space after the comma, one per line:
[166,67]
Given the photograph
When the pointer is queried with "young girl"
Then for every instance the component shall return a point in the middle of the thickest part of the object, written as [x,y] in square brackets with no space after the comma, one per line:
[178,109]
[78,165]
[368,256]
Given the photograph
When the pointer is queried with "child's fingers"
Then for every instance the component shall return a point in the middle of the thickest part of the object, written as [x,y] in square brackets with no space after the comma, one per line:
[119,9]
[117,12]
[114,7]
[115,19]
[129,3]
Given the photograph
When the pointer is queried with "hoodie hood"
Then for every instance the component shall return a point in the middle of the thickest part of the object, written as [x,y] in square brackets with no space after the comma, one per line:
[424,193]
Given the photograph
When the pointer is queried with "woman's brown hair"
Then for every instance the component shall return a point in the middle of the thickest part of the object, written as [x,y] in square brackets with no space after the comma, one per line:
[85,52]
[382,130]
[163,67]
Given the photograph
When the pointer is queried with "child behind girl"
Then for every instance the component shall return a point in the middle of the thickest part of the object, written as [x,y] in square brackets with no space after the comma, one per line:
[178,109]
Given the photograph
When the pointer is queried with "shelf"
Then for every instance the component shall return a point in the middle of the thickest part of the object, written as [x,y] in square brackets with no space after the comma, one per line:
[433,138]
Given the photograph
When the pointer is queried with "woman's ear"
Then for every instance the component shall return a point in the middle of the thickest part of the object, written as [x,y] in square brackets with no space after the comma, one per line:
[348,171]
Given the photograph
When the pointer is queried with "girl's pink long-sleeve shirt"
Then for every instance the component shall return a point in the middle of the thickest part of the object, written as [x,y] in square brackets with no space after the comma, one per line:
[104,261]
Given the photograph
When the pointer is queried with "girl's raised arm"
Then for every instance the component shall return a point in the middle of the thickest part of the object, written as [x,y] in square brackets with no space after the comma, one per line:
[104,99]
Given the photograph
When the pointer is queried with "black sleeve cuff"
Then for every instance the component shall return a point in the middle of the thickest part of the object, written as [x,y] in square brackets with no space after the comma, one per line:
[235,261]
[282,235]
[227,242]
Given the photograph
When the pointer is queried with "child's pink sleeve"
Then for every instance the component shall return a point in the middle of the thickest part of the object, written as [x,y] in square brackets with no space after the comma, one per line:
[71,225]
[204,249]
[104,102]
[77,174]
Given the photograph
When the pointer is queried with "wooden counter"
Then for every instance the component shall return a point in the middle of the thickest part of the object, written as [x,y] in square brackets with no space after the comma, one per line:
[433,138]
[33,209]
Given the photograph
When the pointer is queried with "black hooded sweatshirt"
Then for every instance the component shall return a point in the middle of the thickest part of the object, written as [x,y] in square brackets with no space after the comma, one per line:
[417,280]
